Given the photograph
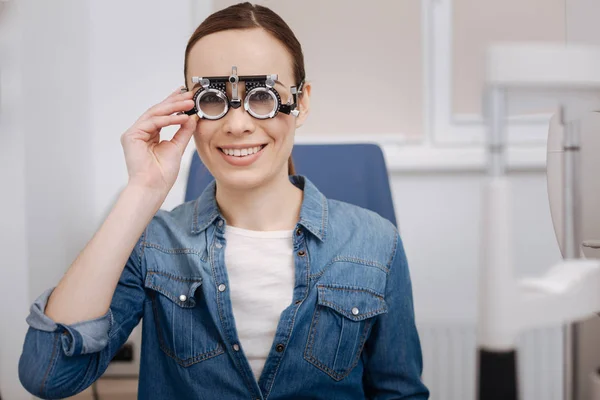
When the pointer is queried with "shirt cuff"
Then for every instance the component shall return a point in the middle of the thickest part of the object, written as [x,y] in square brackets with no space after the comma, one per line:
[80,338]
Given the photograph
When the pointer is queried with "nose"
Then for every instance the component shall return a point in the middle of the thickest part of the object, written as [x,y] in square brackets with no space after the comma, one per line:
[238,122]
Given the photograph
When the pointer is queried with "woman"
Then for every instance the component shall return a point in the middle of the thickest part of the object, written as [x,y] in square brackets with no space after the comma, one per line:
[260,288]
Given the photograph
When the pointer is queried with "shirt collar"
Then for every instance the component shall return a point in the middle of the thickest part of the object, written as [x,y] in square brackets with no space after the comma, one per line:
[313,213]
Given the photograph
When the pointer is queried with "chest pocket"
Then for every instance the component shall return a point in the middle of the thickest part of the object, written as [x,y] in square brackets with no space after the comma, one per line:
[185,329]
[340,326]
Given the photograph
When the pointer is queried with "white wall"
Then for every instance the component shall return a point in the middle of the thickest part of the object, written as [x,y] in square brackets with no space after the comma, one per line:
[134,65]
[14,296]
[56,126]
[582,21]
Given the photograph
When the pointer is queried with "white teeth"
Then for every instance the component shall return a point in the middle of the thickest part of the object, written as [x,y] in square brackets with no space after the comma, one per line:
[242,152]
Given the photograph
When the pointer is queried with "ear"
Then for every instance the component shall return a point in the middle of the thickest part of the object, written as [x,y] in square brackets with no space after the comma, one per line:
[303,104]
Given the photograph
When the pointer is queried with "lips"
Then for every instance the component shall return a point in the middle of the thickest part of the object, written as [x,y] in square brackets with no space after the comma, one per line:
[242,151]
[242,160]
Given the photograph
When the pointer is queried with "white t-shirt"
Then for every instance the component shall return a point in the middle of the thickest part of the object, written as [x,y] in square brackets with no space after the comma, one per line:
[260,267]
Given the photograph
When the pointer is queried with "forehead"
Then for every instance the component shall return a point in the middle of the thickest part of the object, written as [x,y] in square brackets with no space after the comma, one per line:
[253,51]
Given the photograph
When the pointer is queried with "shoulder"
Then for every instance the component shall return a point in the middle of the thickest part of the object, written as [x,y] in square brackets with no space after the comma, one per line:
[362,231]
[345,213]
[170,241]
[170,229]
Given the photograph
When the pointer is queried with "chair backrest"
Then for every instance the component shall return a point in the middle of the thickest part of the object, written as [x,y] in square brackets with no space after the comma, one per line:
[354,173]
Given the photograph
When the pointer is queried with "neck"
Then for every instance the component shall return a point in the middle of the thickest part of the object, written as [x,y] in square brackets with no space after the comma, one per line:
[274,206]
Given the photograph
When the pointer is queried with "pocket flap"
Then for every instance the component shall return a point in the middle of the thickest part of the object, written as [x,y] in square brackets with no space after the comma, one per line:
[355,304]
[179,290]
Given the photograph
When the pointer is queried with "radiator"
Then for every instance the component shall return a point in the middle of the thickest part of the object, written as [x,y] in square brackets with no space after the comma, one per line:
[450,359]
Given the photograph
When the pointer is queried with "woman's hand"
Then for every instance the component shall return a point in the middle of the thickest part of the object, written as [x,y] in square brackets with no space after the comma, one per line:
[152,164]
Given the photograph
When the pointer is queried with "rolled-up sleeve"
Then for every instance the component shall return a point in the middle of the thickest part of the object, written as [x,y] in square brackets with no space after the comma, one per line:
[81,338]
[61,360]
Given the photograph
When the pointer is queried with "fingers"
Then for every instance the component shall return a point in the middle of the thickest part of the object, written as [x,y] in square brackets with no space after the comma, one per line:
[172,108]
[156,123]
[166,113]
[177,91]
[178,96]
[184,134]
[175,102]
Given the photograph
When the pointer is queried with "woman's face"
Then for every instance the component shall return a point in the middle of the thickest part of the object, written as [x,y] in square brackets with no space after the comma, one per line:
[253,52]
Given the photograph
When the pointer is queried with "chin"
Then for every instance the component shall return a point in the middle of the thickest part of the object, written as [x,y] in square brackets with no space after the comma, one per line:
[243,180]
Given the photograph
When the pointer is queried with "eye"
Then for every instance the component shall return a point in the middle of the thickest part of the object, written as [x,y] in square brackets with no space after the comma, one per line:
[211,98]
[262,97]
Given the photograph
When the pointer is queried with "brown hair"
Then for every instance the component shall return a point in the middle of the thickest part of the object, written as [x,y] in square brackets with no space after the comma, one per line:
[248,16]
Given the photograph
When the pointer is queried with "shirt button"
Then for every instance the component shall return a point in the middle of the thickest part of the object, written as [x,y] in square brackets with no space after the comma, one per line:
[279,348]
[183,297]
[236,347]
[301,253]
[220,223]
[218,245]
[355,311]
[222,287]
[298,232]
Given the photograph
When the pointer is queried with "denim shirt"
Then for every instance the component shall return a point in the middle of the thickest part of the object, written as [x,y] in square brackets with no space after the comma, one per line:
[349,332]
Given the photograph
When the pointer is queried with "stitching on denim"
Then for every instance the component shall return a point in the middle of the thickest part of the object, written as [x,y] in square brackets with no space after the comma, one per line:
[323,216]
[209,220]
[307,261]
[272,378]
[141,251]
[352,317]
[354,260]
[393,255]
[335,375]
[171,297]
[351,289]
[195,218]
[196,359]
[182,250]
[111,320]
[163,346]
[52,362]
[344,312]
[176,277]
[289,333]
[274,374]
[312,332]
[189,304]
[212,267]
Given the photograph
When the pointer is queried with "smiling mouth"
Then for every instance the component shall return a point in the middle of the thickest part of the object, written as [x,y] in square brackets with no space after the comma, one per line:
[242,152]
